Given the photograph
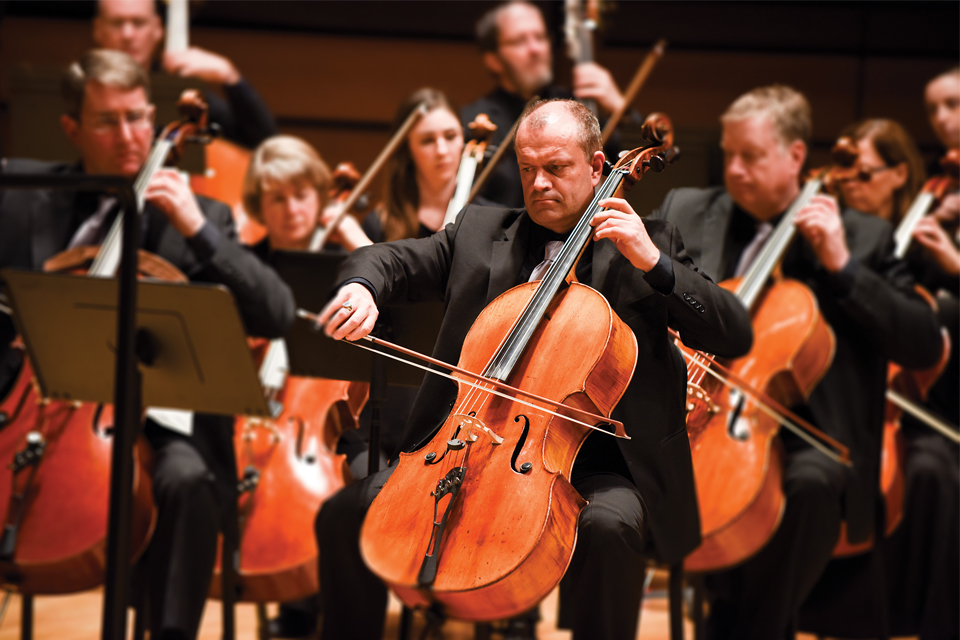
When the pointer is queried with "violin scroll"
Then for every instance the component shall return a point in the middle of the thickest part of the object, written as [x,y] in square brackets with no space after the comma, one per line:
[191,127]
[482,127]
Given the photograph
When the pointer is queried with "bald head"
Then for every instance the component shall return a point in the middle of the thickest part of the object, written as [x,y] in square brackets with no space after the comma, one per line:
[557,173]
[131,26]
[544,113]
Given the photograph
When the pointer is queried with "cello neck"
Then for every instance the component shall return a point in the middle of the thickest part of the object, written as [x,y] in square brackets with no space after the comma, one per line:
[769,257]
[580,25]
[108,258]
[510,351]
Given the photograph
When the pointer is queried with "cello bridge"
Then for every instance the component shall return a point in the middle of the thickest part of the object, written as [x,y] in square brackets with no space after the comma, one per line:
[474,427]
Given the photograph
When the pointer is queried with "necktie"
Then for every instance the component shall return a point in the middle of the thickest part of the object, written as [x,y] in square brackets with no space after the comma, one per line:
[94,229]
[551,250]
[753,249]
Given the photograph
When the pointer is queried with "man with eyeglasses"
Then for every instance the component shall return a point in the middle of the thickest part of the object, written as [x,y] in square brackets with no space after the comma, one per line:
[134,27]
[109,118]
[515,49]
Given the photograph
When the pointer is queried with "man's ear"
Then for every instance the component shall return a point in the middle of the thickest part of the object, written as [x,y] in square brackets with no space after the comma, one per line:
[492,62]
[99,25]
[798,153]
[596,167]
[72,128]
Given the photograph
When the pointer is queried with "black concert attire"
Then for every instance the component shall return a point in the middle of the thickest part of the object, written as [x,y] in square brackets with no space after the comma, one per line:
[876,317]
[466,265]
[242,114]
[195,477]
[919,564]
[503,187]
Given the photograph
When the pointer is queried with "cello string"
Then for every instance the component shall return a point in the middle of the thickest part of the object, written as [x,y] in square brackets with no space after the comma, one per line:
[489,391]
[782,420]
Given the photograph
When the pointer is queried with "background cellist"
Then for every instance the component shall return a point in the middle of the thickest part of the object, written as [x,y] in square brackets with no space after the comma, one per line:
[135,27]
[867,299]
[109,118]
[645,273]
[921,562]
[515,49]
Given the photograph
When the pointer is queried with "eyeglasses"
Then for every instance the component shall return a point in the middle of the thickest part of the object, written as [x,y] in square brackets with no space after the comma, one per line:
[135,119]
[864,174]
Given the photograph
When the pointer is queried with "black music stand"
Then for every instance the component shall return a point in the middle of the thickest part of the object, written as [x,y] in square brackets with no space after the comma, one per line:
[312,277]
[188,352]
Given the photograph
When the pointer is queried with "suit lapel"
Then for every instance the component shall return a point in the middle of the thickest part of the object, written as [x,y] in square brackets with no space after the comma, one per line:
[506,258]
[51,226]
[602,270]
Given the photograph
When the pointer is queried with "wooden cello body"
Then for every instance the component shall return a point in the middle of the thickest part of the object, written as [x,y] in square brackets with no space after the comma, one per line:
[55,498]
[737,458]
[514,502]
[288,467]
[481,522]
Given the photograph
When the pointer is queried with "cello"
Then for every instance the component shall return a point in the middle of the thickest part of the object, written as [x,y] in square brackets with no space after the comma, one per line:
[55,527]
[288,466]
[737,458]
[470,159]
[481,521]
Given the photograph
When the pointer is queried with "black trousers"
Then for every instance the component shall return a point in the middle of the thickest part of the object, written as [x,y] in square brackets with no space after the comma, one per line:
[600,593]
[923,553]
[193,505]
[760,598]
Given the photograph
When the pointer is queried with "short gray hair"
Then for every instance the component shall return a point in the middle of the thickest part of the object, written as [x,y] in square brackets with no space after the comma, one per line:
[786,107]
[588,129]
[111,68]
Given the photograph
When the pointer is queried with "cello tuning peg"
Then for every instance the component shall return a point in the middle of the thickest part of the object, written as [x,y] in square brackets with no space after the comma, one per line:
[655,163]
[671,155]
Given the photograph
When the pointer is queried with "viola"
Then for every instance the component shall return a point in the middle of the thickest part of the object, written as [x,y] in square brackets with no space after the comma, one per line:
[54,540]
[737,458]
[481,521]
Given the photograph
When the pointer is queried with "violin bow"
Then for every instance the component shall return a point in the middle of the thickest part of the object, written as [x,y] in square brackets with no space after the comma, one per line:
[321,234]
[501,149]
[483,382]
[639,79]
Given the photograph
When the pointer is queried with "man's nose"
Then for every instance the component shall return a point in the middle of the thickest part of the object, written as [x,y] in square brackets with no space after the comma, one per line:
[124,130]
[541,182]
[127,30]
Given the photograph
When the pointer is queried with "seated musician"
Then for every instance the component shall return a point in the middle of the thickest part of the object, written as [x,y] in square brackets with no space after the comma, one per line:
[924,548]
[640,491]
[108,116]
[515,49]
[134,27]
[422,174]
[867,298]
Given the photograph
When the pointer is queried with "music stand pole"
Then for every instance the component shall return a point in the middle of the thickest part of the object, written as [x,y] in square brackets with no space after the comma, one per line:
[127,410]
[127,401]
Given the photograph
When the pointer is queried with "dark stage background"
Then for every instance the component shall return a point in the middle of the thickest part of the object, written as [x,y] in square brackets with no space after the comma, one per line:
[334,72]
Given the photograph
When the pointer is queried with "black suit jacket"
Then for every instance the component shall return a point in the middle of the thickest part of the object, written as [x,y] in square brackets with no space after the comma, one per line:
[874,313]
[37,224]
[468,264]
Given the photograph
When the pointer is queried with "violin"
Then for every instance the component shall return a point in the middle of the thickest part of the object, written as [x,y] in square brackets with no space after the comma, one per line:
[288,466]
[481,521]
[54,538]
[737,459]
[472,156]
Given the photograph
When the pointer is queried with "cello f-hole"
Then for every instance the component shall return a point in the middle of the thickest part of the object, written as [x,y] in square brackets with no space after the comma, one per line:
[526,466]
